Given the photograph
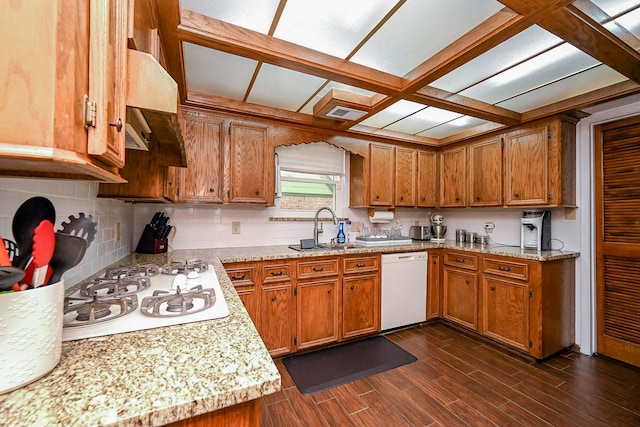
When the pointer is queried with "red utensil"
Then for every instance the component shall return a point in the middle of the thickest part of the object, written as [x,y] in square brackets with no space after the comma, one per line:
[44,243]
[5,260]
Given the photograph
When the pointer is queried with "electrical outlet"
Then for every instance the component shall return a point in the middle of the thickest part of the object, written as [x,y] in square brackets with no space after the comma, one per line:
[489,226]
[116,236]
[235,227]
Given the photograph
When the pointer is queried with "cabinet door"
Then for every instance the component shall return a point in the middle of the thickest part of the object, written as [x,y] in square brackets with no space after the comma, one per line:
[108,79]
[526,167]
[460,297]
[505,306]
[317,313]
[360,305]
[453,177]
[201,181]
[244,278]
[276,318]
[381,175]
[249,165]
[426,183]
[485,173]
[433,285]
[405,177]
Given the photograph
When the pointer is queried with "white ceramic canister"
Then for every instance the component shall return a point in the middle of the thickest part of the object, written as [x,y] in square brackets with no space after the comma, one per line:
[30,334]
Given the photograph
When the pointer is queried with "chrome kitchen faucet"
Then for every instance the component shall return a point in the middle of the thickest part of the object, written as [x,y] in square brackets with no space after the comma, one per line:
[317,231]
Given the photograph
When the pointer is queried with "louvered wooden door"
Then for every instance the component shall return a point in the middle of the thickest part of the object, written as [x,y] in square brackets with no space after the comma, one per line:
[617,155]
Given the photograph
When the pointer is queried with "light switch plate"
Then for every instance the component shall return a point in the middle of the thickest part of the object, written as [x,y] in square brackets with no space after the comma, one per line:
[235,227]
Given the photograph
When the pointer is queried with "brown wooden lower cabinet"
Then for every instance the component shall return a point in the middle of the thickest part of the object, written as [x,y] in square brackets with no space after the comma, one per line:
[311,302]
[245,414]
[460,297]
[434,284]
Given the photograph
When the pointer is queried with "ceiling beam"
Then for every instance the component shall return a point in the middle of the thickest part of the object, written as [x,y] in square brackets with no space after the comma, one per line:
[464,105]
[220,35]
[169,11]
[576,27]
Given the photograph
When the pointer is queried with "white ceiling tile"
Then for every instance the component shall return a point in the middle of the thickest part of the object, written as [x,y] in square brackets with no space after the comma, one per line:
[631,22]
[522,46]
[418,30]
[423,120]
[334,27]
[217,73]
[392,113]
[593,79]
[282,88]
[555,64]
[615,7]
[456,126]
[255,15]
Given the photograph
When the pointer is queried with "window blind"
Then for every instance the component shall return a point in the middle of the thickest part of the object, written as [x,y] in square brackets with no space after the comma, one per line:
[316,157]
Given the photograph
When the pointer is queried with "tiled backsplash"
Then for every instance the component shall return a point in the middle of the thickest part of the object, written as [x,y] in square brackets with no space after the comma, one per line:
[71,198]
[211,226]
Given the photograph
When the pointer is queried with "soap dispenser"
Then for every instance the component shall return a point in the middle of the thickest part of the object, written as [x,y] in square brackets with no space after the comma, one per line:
[341,237]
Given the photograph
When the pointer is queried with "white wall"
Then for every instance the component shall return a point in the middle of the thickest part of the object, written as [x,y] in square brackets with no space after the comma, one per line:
[71,198]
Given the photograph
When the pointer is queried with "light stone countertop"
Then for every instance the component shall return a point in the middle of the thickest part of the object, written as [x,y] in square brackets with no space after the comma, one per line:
[167,374]
[150,377]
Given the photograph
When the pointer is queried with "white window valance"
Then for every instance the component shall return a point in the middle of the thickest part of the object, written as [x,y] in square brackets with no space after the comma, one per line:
[316,157]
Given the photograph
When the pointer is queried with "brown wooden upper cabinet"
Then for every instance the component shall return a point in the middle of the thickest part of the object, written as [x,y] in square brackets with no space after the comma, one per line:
[405,177]
[81,50]
[426,181]
[533,165]
[393,176]
[381,174]
[485,172]
[453,173]
[540,164]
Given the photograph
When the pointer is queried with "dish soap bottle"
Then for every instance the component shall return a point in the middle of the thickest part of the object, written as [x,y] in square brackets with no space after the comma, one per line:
[341,236]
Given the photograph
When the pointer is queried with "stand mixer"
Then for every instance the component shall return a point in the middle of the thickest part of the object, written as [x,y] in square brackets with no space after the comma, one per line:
[437,229]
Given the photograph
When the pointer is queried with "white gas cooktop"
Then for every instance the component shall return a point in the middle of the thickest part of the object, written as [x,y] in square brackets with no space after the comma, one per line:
[136,321]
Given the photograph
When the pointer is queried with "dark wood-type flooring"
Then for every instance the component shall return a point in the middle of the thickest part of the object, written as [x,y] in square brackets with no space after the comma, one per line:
[464,380]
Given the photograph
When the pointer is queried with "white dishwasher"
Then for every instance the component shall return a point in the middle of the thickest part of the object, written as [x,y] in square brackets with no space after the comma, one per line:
[404,289]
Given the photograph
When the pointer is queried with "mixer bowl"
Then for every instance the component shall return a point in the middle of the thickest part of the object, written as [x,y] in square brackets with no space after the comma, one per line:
[438,231]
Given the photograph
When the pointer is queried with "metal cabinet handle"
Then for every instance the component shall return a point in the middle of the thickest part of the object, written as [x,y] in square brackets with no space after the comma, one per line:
[276,273]
[318,268]
[273,298]
[460,260]
[329,291]
[257,192]
[501,268]
[493,288]
[360,265]
[241,276]
[353,287]
[467,281]
[211,190]
[516,194]
[117,124]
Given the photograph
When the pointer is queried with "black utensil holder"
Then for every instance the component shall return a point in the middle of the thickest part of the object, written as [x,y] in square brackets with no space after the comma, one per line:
[148,244]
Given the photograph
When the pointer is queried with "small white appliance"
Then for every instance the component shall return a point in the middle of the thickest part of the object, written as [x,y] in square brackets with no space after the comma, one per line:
[404,289]
[535,230]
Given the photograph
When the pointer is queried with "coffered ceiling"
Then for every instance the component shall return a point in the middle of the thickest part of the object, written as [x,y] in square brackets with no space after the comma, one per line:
[424,71]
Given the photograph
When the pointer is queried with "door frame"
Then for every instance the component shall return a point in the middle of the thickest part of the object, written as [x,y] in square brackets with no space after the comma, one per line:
[585,332]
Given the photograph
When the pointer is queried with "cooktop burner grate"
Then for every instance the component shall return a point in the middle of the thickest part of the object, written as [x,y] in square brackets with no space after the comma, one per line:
[178,303]
[83,312]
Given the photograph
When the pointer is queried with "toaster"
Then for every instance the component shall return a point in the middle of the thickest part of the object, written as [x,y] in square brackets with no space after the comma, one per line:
[419,232]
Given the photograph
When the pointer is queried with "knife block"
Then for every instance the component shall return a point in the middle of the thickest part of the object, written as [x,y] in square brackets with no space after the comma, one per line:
[148,244]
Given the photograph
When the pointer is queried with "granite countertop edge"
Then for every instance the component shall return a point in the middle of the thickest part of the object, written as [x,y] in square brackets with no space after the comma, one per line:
[151,377]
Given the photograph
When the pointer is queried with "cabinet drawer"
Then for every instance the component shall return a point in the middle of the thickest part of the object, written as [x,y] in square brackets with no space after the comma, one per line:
[242,275]
[461,260]
[513,269]
[276,273]
[317,268]
[353,265]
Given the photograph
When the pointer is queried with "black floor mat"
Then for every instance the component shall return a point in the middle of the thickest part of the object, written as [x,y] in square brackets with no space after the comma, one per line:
[324,369]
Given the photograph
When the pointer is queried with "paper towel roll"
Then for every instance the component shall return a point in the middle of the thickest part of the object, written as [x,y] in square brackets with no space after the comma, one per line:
[383,217]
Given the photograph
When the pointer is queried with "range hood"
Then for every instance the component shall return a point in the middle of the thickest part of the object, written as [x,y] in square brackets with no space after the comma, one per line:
[152,108]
